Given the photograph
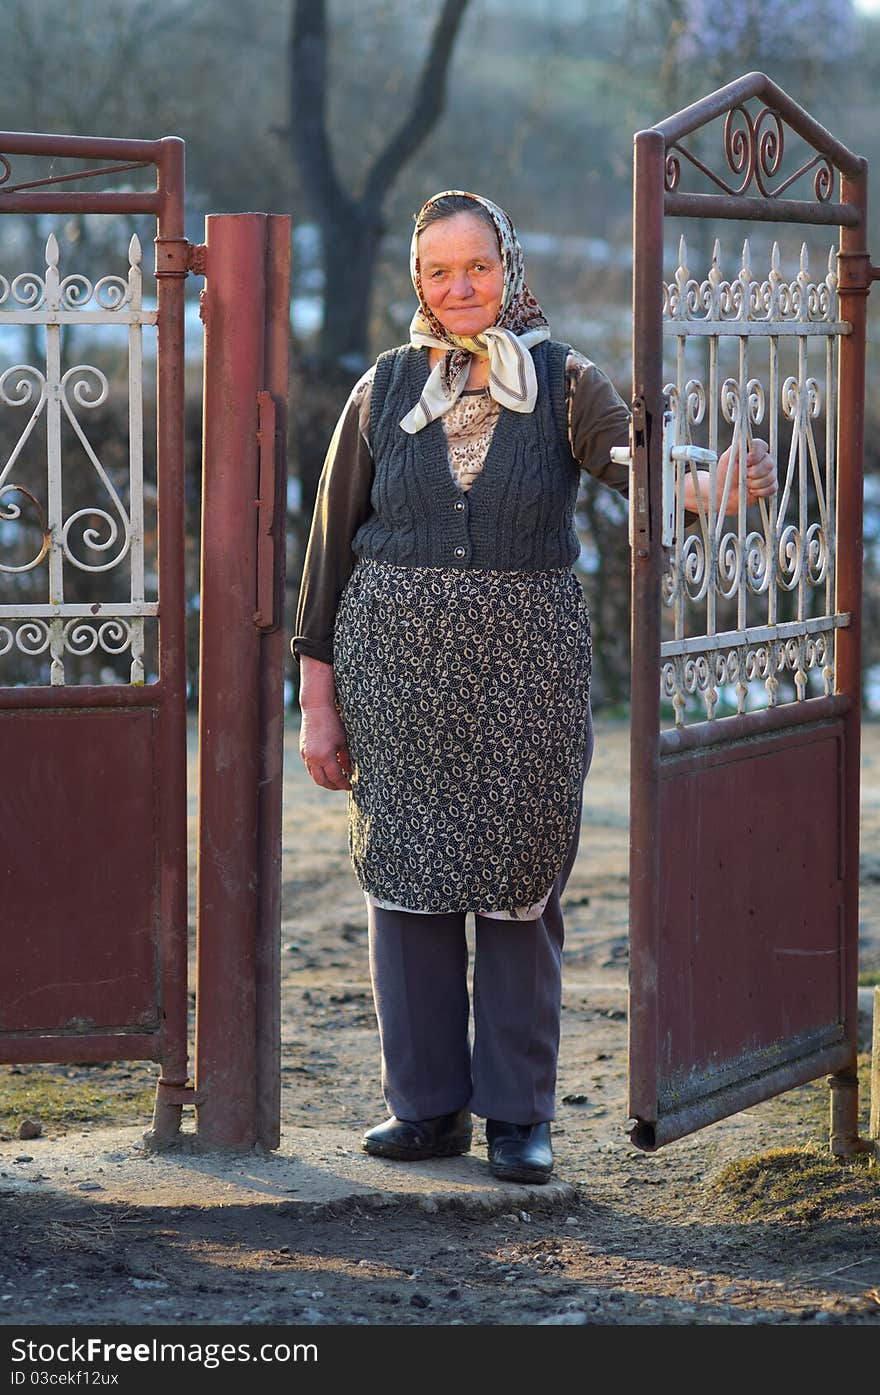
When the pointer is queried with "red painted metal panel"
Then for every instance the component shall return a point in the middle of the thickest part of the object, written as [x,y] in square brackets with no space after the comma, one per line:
[78,881]
[750,908]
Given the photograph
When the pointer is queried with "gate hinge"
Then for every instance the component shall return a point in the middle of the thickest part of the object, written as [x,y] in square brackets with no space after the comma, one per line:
[170,1093]
[267,439]
[177,256]
[197,258]
[855,273]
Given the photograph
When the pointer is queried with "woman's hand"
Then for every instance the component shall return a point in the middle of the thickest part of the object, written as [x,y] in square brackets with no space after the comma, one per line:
[323,746]
[761,481]
[323,743]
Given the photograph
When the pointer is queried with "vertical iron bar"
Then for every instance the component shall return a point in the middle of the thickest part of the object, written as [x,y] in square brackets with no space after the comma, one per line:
[830,463]
[171,723]
[136,458]
[680,471]
[712,512]
[741,505]
[55,503]
[853,286]
[649,156]
[773,535]
[802,469]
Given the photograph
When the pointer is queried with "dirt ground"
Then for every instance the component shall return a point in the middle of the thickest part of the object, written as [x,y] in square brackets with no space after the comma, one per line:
[749,1221]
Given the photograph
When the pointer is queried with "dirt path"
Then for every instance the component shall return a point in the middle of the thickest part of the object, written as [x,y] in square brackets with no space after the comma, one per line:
[664,1238]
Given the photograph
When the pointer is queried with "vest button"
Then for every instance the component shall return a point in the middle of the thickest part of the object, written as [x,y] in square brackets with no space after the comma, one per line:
[459,552]
[458,505]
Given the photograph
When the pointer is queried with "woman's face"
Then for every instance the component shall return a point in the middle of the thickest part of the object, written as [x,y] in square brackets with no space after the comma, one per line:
[461,273]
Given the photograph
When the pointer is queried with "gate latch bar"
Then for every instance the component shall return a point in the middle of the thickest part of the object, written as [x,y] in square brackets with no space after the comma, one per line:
[672,453]
[264,615]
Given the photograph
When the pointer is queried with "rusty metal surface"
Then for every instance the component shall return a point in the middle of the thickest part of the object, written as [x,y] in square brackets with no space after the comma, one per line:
[80,147]
[855,276]
[171,750]
[758,210]
[80,823]
[241,705]
[99,910]
[265,617]
[229,698]
[744,835]
[646,572]
[708,1109]
[751,724]
[751,905]
[273,649]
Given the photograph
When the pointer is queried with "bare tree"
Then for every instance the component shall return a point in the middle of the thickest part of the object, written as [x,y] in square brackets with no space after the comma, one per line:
[352,226]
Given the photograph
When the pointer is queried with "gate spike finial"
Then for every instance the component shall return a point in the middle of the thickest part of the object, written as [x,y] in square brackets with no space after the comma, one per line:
[135,254]
[52,250]
[716,253]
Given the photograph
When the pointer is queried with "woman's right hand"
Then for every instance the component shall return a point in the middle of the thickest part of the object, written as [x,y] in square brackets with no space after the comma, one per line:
[323,743]
[323,746]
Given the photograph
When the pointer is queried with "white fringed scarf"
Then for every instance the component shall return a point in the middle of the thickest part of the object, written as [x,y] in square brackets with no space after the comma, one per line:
[521,323]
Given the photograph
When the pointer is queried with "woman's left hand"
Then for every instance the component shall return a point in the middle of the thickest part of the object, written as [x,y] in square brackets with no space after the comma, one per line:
[761,480]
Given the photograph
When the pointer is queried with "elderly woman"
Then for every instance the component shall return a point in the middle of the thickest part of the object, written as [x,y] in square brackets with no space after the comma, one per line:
[445,656]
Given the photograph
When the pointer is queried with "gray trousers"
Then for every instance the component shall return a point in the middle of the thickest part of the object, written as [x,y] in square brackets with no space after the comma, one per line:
[418,966]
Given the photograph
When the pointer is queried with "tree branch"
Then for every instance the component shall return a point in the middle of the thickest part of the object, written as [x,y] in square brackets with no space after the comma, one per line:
[427,106]
[308,134]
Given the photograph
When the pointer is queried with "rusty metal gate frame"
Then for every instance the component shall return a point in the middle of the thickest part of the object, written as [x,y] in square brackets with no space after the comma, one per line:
[660,1110]
[164,702]
[246,262]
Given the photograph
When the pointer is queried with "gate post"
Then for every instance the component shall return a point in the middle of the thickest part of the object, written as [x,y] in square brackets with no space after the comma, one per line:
[246,312]
[649,156]
[874,1130]
[170,278]
[854,283]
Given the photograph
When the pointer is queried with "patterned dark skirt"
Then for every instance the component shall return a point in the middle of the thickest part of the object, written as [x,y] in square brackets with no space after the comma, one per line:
[465,698]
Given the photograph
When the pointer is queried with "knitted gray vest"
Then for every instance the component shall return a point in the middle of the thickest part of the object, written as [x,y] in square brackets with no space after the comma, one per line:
[518,513]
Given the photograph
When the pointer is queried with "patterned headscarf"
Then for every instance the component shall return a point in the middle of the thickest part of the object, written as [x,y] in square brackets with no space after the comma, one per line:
[520,324]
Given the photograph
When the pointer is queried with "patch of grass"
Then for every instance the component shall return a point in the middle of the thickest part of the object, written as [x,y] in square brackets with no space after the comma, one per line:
[803,1185]
[869,979]
[121,1093]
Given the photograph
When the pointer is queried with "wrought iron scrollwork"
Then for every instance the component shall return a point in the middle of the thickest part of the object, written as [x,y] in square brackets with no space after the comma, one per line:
[753,604]
[753,151]
[106,531]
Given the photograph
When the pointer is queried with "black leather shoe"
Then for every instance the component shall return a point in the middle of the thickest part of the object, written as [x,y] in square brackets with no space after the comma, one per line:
[413,1140]
[519,1152]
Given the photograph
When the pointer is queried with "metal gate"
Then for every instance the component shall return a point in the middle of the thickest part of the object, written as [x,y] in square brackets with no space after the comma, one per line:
[93,784]
[92,636]
[745,621]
